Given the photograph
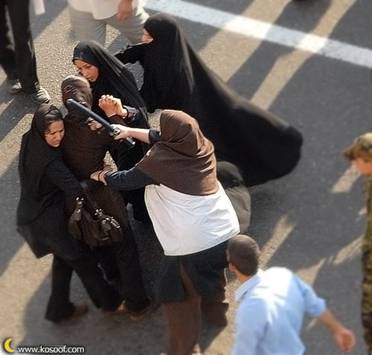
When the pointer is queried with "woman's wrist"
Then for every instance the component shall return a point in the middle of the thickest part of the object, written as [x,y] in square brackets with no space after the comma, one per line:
[102,176]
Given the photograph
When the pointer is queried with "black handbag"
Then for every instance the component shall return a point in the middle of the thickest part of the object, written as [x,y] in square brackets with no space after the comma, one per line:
[90,224]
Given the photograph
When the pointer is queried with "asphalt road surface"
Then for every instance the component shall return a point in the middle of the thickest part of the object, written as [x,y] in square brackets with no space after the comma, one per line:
[308,62]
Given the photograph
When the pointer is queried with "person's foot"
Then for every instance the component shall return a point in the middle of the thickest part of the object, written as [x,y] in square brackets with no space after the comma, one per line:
[41,96]
[14,86]
[79,311]
[121,310]
[139,315]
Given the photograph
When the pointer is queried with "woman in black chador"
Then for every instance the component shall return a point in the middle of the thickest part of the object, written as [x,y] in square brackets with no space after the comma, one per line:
[262,145]
[84,152]
[40,217]
[108,76]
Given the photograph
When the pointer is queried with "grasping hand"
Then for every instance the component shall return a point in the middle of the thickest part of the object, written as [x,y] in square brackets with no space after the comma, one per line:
[99,175]
[111,106]
[125,132]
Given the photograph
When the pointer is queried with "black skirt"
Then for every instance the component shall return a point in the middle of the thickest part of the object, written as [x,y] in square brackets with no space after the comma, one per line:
[48,234]
[203,268]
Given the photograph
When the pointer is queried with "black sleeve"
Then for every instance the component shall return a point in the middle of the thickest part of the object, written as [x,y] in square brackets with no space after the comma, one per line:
[131,179]
[131,54]
[154,136]
[61,176]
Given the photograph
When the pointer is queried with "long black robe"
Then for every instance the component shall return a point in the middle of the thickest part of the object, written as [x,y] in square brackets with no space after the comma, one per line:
[44,180]
[114,79]
[262,145]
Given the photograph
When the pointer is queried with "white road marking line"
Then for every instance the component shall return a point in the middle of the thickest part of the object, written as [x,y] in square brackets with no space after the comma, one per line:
[281,232]
[265,31]
[346,181]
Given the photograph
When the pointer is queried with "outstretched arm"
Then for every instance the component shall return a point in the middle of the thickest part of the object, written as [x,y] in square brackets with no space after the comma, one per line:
[316,307]
[137,133]
[132,54]
[131,179]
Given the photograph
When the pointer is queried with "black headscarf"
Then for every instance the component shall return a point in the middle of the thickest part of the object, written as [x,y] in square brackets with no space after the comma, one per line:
[262,145]
[113,78]
[171,66]
[34,157]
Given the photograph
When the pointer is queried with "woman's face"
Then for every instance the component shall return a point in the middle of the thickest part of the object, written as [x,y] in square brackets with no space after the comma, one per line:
[88,71]
[54,134]
[146,37]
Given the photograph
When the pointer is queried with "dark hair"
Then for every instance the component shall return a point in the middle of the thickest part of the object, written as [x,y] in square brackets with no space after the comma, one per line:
[53,116]
[244,253]
[44,116]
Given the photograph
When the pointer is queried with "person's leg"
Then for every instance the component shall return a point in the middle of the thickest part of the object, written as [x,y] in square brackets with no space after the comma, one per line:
[367,293]
[184,320]
[214,308]
[101,293]
[85,27]
[24,48]
[107,263]
[127,258]
[131,27]
[7,55]
[59,305]
[211,280]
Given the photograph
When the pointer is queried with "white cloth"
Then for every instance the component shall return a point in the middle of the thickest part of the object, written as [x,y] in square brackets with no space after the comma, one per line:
[186,224]
[100,9]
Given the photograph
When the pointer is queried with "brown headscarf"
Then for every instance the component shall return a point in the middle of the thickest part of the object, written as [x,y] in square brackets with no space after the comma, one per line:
[183,159]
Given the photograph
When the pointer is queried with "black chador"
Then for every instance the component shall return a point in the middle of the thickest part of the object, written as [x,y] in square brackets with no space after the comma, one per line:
[114,79]
[262,145]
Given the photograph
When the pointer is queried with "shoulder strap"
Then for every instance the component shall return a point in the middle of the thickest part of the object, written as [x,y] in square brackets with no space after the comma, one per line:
[88,195]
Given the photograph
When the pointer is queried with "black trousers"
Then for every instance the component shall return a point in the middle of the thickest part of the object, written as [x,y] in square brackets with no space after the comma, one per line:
[18,59]
[121,260]
[101,293]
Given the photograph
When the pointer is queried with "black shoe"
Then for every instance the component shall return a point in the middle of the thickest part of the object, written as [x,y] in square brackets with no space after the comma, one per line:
[41,96]
[14,86]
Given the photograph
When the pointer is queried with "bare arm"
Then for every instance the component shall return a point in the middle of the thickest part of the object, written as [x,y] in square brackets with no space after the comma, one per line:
[125,9]
[343,337]
[136,133]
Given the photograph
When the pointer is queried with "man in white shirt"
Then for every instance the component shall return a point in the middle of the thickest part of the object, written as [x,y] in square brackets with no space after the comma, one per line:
[272,304]
[89,19]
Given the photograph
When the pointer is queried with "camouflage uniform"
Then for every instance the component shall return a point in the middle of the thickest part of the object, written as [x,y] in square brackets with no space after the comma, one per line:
[367,273]
[362,149]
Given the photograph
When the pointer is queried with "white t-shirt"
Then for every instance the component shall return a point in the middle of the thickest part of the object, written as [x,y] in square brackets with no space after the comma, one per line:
[100,9]
[186,224]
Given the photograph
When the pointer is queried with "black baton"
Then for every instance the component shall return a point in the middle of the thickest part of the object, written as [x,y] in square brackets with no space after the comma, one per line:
[113,131]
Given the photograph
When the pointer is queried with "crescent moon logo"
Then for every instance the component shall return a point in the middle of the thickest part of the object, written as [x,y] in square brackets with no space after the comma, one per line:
[7,345]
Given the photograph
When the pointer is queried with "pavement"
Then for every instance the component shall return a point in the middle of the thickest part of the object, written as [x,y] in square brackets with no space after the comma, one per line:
[309,64]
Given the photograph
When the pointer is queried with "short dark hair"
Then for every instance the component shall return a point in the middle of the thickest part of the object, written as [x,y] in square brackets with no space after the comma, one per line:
[361,148]
[244,253]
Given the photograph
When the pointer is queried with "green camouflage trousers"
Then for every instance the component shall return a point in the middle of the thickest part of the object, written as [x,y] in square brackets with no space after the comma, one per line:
[367,286]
